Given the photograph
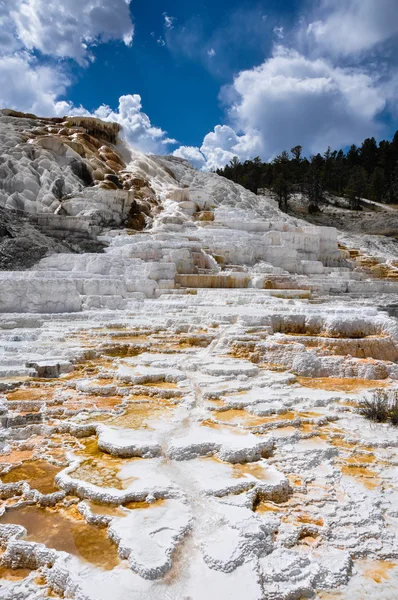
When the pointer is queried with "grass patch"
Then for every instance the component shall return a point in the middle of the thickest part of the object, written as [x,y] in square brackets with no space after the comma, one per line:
[380,406]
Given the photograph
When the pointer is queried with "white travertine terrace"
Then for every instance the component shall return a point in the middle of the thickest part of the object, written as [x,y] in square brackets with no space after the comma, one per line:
[178,413]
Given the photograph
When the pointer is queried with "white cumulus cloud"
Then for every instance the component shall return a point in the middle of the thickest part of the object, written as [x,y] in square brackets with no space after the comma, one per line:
[291,99]
[222,144]
[219,147]
[137,126]
[67,28]
[352,26]
[192,154]
[25,85]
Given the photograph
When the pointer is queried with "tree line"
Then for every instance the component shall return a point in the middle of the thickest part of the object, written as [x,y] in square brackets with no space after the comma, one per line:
[368,171]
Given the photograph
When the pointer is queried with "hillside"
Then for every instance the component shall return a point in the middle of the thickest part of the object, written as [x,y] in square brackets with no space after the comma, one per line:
[181,367]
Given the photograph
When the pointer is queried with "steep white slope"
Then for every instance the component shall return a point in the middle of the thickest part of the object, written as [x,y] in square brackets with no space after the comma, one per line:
[202,230]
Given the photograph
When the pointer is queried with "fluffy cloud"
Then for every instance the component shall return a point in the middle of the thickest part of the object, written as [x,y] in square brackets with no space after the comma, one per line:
[192,154]
[8,40]
[291,99]
[219,147]
[30,87]
[67,29]
[137,127]
[352,26]
[222,144]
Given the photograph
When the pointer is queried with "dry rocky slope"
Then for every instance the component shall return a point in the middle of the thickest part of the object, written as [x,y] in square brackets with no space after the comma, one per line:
[180,365]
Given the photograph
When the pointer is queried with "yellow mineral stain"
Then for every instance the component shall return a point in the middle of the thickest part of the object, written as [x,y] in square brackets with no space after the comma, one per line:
[59,530]
[245,354]
[307,427]
[90,448]
[103,472]
[311,520]
[333,429]
[105,509]
[166,385]
[94,402]
[40,579]
[143,504]
[309,540]
[216,402]
[309,414]
[358,459]
[142,398]
[377,570]
[222,426]
[242,417]
[265,507]
[338,442]
[369,478]
[139,415]
[30,393]
[254,469]
[211,424]
[13,574]
[130,338]
[89,368]
[123,350]
[238,417]
[333,384]
[275,367]
[105,402]
[295,480]
[16,456]
[241,393]
[100,468]
[285,431]
[38,473]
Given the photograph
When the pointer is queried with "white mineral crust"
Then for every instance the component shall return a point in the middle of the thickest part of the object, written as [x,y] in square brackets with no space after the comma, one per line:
[193,390]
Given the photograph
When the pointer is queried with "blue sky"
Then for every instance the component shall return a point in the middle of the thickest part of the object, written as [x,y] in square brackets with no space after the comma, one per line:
[208,80]
[180,86]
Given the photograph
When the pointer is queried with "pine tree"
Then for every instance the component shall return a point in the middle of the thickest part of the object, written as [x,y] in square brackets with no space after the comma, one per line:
[314,187]
[234,164]
[353,156]
[368,154]
[377,185]
[296,152]
[392,189]
[369,171]
[356,187]
[282,190]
